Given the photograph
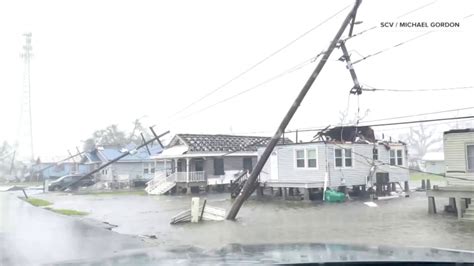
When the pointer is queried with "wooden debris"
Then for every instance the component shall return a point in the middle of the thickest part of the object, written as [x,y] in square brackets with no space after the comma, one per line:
[207,213]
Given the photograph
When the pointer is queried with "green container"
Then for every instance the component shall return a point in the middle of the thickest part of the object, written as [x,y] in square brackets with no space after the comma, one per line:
[334,196]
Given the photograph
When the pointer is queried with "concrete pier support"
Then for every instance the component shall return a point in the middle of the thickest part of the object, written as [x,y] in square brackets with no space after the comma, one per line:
[431,205]
[459,208]
[423,184]
[285,193]
[428,184]
[407,187]
[306,194]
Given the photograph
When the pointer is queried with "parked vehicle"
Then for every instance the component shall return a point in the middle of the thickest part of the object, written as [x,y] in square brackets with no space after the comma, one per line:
[71,181]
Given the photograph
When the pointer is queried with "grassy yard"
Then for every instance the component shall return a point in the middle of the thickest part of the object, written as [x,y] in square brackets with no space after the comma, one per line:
[67,212]
[416,176]
[38,202]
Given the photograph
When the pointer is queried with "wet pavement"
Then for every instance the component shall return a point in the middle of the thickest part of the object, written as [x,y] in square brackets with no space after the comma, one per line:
[31,235]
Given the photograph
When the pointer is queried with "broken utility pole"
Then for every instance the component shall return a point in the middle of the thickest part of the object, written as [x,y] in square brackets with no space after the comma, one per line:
[125,154]
[251,183]
[347,58]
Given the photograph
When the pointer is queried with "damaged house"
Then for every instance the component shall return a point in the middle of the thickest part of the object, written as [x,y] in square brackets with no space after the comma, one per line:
[198,160]
[137,167]
[340,156]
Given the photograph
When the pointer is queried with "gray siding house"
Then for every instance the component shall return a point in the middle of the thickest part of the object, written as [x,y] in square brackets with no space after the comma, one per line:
[134,167]
[459,156]
[338,163]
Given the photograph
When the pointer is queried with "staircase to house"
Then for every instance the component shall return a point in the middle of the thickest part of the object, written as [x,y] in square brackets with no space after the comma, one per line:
[468,214]
[161,184]
[238,184]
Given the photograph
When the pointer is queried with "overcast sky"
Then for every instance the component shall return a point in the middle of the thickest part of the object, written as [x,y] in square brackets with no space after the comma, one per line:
[98,63]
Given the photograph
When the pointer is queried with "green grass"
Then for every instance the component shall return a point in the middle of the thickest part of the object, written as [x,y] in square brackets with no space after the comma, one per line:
[67,212]
[38,202]
[420,176]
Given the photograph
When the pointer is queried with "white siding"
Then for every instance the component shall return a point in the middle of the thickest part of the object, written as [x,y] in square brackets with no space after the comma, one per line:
[455,145]
[355,175]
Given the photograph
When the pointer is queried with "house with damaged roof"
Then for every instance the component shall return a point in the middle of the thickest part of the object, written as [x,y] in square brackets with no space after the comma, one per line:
[193,161]
[137,167]
[341,156]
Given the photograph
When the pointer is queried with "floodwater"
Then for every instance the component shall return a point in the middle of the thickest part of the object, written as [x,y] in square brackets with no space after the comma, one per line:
[397,222]
[33,236]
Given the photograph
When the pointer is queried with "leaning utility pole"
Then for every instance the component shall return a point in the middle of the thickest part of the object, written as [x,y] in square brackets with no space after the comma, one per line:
[250,185]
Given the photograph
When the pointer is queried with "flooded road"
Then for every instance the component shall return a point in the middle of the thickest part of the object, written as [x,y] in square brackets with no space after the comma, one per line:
[32,236]
[396,222]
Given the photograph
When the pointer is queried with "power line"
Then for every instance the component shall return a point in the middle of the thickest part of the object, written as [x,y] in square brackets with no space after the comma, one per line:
[399,166]
[370,88]
[400,16]
[288,71]
[259,62]
[391,124]
[391,118]
[391,47]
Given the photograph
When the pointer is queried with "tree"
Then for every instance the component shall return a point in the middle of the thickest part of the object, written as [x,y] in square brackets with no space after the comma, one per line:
[114,136]
[422,140]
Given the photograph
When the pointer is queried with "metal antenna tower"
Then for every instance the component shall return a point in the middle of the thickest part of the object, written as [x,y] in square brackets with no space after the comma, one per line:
[25,135]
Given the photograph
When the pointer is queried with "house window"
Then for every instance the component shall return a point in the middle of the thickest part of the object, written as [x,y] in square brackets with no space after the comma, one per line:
[470,158]
[306,158]
[300,158]
[343,157]
[219,166]
[248,164]
[311,158]
[145,170]
[396,157]
[375,154]
[199,165]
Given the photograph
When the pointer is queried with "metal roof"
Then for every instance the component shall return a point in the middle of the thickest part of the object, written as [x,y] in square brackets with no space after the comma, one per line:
[227,143]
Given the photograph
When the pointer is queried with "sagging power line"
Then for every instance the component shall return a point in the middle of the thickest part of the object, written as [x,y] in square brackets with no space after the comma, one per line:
[371,88]
[225,84]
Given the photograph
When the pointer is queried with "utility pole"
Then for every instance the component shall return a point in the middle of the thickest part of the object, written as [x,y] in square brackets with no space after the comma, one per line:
[251,183]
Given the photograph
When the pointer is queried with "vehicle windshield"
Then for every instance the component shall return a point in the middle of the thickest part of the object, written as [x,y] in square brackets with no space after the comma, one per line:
[210,131]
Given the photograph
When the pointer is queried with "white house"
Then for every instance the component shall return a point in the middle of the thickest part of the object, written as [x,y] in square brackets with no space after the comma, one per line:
[433,162]
[195,160]
[459,156]
[362,162]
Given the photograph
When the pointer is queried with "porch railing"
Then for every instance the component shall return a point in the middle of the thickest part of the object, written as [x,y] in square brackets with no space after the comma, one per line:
[199,176]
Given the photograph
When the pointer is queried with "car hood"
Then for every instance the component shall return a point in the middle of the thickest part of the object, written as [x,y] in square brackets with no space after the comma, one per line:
[280,253]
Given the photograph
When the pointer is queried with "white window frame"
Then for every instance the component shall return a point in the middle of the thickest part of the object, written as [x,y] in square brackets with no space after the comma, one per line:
[395,151]
[378,153]
[343,157]
[305,158]
[467,158]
